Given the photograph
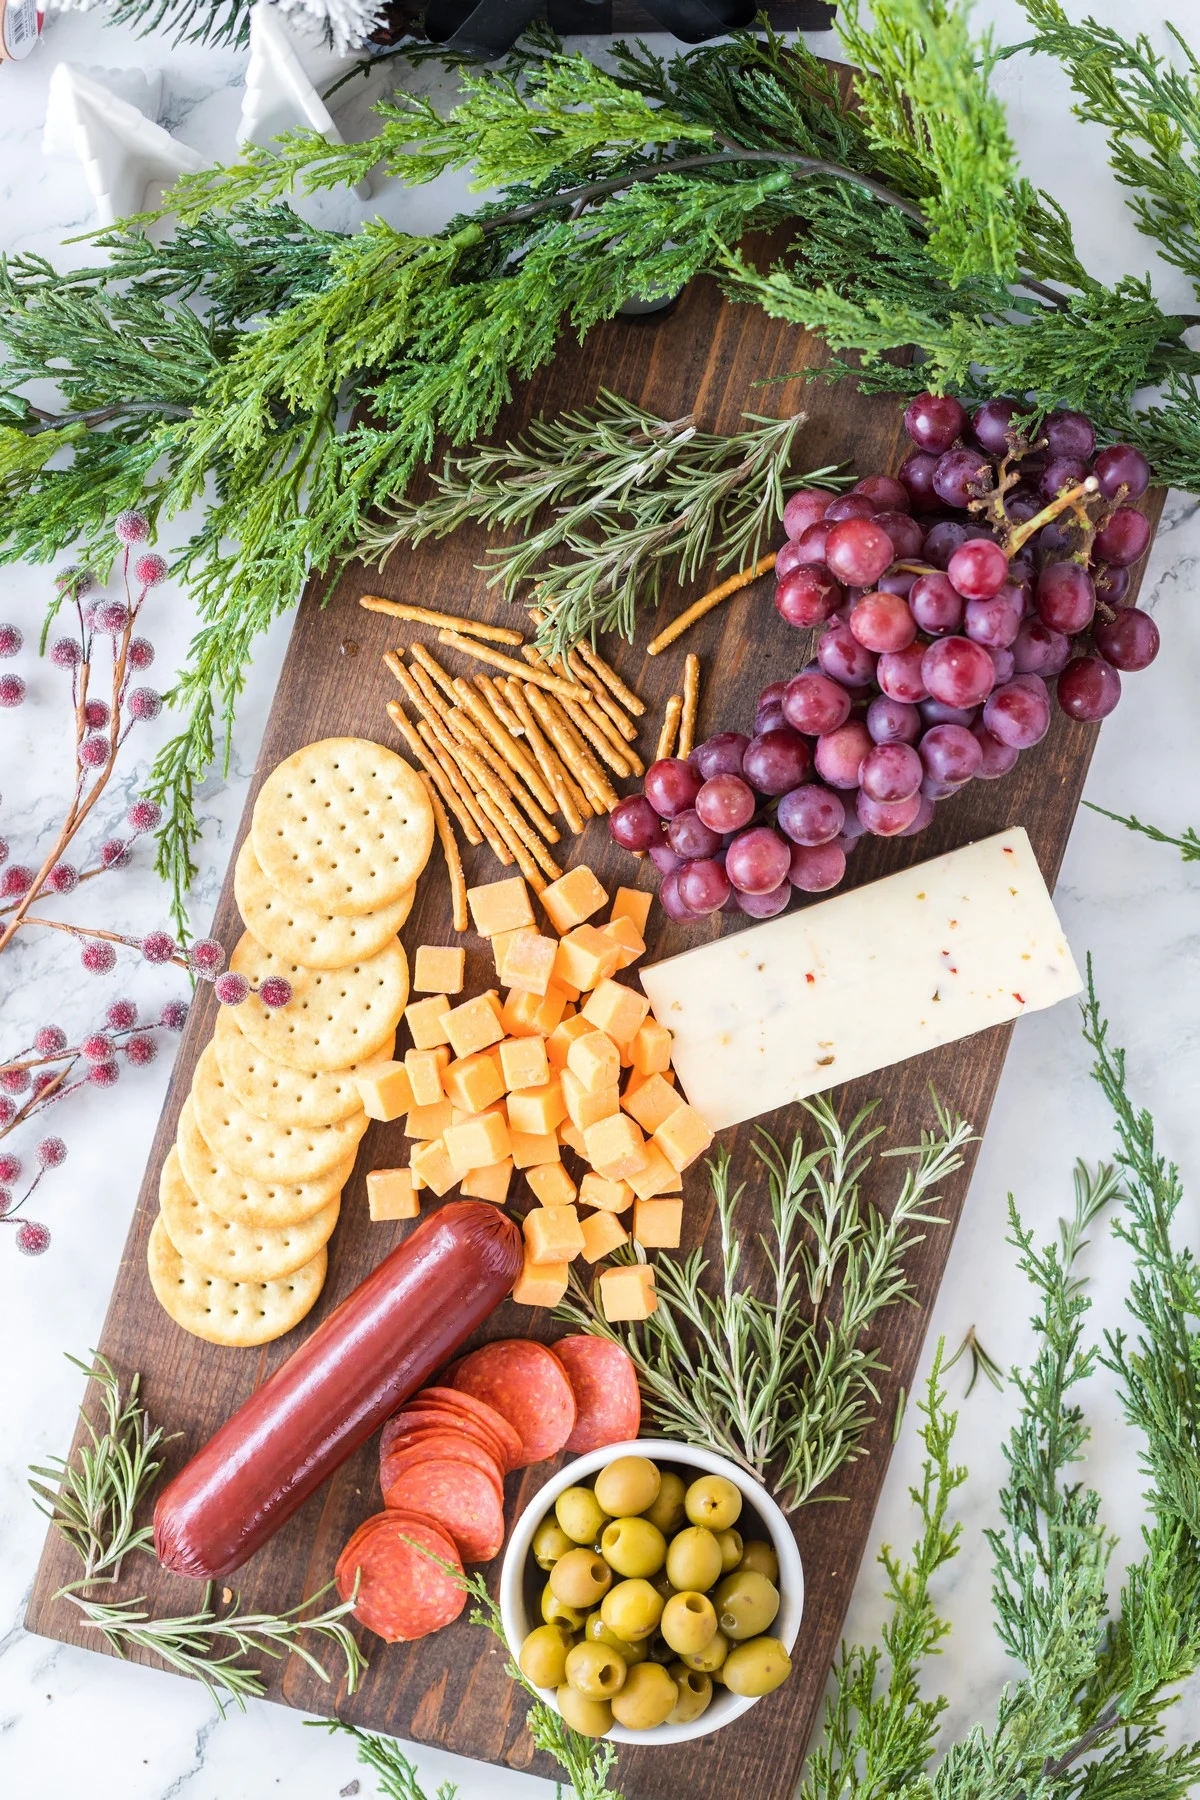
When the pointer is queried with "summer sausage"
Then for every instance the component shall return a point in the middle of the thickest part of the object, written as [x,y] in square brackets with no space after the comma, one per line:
[372,1352]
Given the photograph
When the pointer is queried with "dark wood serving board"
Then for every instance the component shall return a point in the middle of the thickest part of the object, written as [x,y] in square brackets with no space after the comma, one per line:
[451,1689]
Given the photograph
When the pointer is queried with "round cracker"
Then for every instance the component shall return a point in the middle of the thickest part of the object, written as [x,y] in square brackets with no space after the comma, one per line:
[343,826]
[316,939]
[258,1204]
[273,1091]
[335,1017]
[234,1313]
[260,1147]
[236,1252]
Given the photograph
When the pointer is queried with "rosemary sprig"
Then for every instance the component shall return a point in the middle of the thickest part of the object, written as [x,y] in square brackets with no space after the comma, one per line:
[783,1385]
[1187,844]
[633,500]
[981,1362]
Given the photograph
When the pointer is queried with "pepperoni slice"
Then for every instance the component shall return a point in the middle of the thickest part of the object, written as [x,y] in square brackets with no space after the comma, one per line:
[404,1423]
[438,1447]
[402,1593]
[461,1499]
[607,1401]
[527,1386]
[480,1412]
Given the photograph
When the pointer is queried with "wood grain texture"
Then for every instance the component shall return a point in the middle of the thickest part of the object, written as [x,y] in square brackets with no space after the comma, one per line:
[451,1689]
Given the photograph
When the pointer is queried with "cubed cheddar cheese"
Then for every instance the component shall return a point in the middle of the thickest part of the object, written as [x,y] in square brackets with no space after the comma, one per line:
[658,1176]
[603,1233]
[615,1147]
[587,1106]
[570,1135]
[427,1122]
[552,1235]
[533,1015]
[426,1021]
[552,1185]
[608,1196]
[585,957]
[573,898]
[473,1026]
[529,1148]
[524,1063]
[594,1060]
[473,1082]
[657,1224]
[624,934]
[682,1136]
[385,1090]
[616,1009]
[651,1101]
[627,1292]
[500,906]
[479,1140]
[537,1110]
[391,1194]
[431,1161]
[559,1042]
[650,1051]
[425,1074]
[543,1286]
[632,904]
[529,963]
[490,1183]
[438,969]
[501,941]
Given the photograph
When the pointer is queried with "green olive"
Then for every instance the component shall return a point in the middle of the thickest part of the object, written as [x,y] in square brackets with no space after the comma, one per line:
[694,1560]
[628,1485]
[695,1694]
[596,1670]
[543,1658]
[550,1542]
[760,1556]
[731,1549]
[689,1622]
[632,1609]
[579,1515]
[713,1501]
[557,1612]
[746,1603]
[592,1717]
[581,1577]
[597,1632]
[756,1667]
[710,1659]
[633,1547]
[667,1511]
[648,1697]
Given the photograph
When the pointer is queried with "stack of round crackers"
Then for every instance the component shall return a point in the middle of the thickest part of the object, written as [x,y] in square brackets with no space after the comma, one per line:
[250,1193]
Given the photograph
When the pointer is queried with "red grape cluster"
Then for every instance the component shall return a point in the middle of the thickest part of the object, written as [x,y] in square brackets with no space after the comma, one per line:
[947,600]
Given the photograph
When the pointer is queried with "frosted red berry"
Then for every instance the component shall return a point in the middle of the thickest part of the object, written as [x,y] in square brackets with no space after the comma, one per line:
[11,640]
[97,1047]
[150,569]
[98,958]
[50,1040]
[42,1079]
[94,751]
[103,1074]
[12,690]
[207,957]
[14,1081]
[144,704]
[173,1016]
[74,578]
[32,1238]
[112,617]
[65,653]
[16,880]
[10,1167]
[140,653]
[8,1111]
[51,1152]
[275,991]
[63,878]
[121,1015]
[158,947]
[231,989]
[141,1050]
[96,714]
[114,853]
[131,527]
[144,815]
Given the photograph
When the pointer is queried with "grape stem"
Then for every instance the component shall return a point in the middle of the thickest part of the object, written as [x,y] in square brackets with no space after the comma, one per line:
[1021,534]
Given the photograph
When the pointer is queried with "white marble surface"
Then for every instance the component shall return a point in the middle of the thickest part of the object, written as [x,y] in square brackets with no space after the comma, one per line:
[73,1722]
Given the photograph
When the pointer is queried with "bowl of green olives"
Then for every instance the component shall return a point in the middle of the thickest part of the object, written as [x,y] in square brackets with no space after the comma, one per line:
[652,1592]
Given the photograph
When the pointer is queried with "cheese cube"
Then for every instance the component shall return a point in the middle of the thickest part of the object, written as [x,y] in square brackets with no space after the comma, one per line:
[608,1196]
[657,1224]
[682,1136]
[658,1176]
[501,941]
[473,1082]
[632,904]
[500,906]
[425,1074]
[573,898]
[529,962]
[627,1292]
[432,1163]
[595,1061]
[568,987]
[492,997]
[391,1194]
[552,1185]
[615,1147]
[585,957]
[570,1134]
[652,1101]
[626,937]
[637,1080]
[552,1234]
[535,1110]
[616,1009]
[385,1090]
[490,1183]
[587,1106]
[426,1019]
[529,1148]
[427,1122]
[603,1233]
[478,1141]
[528,1015]
[563,1036]
[650,1051]
[524,1062]
[473,1026]
[543,1286]
[438,969]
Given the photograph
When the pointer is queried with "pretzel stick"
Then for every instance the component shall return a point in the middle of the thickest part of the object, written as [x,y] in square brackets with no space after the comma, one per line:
[555,774]
[691,701]
[570,746]
[509,782]
[707,602]
[433,668]
[435,734]
[485,781]
[496,701]
[519,854]
[603,728]
[552,683]
[502,739]
[503,786]
[420,750]
[585,726]
[670,725]
[454,868]
[421,615]
[612,681]
[516,696]
[472,801]
[588,679]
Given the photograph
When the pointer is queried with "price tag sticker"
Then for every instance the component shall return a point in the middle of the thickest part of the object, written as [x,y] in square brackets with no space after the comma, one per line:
[20,28]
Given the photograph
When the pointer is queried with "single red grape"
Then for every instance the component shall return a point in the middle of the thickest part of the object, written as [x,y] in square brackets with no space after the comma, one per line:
[995,623]
[722,753]
[978,569]
[992,424]
[905,533]
[916,474]
[761,906]
[1088,689]
[936,605]
[893,721]
[998,758]
[757,860]
[922,817]
[811,814]
[898,581]
[665,859]
[634,824]
[884,819]
[1128,642]
[703,886]
[803,509]
[843,658]
[813,703]
[941,541]
[808,596]
[670,785]
[962,476]
[950,753]
[776,761]
[858,551]
[813,541]
[768,718]
[957,671]
[1069,434]
[890,772]
[1066,598]
[899,674]
[1111,583]
[1059,473]
[672,901]
[1003,663]
[838,754]
[1040,650]
[936,712]
[1121,466]
[1123,538]
[849,506]
[815,868]
[933,421]
[888,494]
[789,556]
[882,622]
[1017,715]
[690,837]
[725,803]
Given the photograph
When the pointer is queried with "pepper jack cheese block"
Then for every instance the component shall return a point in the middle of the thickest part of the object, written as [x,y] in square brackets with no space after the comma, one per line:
[854,984]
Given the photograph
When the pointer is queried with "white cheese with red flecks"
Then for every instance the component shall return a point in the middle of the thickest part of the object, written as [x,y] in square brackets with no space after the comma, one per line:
[866,979]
